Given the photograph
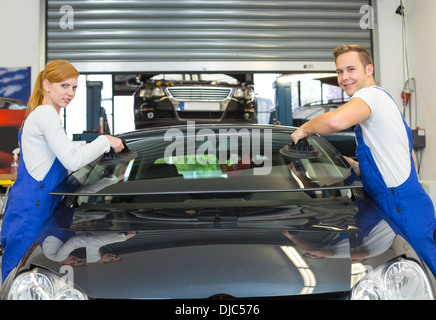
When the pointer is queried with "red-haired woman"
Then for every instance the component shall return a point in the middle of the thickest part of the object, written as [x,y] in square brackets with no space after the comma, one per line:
[47,154]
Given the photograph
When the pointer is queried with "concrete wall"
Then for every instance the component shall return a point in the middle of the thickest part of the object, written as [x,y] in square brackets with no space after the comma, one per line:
[20,39]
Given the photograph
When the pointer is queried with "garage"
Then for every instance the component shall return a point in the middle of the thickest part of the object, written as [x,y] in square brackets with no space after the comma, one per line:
[174,175]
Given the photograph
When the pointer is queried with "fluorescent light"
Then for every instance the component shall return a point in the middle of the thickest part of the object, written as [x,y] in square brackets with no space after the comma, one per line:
[306,273]
[303,76]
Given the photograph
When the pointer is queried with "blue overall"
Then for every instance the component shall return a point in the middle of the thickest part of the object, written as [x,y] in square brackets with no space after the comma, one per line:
[407,205]
[29,207]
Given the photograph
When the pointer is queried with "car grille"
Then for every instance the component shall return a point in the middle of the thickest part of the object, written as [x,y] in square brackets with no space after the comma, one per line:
[200,115]
[199,93]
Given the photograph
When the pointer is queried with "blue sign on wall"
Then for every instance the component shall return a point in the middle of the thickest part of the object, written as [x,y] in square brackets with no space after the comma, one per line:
[15,83]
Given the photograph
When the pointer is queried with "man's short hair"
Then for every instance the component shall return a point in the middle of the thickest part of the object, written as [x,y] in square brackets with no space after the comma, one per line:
[364,55]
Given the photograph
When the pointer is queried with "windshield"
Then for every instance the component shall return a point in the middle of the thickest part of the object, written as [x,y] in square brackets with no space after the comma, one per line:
[211,163]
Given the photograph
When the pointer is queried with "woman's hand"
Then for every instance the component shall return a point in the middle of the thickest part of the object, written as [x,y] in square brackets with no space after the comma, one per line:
[116,143]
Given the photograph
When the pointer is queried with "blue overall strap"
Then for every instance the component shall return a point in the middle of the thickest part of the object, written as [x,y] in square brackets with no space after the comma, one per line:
[407,205]
[29,207]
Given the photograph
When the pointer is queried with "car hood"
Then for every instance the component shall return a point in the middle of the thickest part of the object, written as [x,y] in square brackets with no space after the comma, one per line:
[276,252]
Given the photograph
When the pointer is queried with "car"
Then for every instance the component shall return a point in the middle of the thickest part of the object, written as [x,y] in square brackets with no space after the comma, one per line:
[218,212]
[344,141]
[11,117]
[176,98]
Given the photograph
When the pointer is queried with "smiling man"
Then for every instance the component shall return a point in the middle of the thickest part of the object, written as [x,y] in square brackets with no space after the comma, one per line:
[384,149]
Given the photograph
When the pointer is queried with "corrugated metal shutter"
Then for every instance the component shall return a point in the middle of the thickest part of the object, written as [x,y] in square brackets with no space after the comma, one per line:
[205,35]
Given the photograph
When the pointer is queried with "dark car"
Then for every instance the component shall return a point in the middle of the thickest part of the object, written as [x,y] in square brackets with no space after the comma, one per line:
[344,141]
[176,98]
[11,117]
[218,212]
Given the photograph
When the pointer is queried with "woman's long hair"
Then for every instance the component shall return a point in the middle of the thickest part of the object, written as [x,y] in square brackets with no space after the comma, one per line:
[55,71]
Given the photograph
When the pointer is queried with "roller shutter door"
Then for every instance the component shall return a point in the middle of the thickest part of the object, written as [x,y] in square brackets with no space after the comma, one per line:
[206,35]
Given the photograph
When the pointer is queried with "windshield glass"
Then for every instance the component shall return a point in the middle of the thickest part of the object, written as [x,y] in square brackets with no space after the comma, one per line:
[213,163]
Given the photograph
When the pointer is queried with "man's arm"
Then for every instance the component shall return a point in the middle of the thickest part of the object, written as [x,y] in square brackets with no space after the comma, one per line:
[351,113]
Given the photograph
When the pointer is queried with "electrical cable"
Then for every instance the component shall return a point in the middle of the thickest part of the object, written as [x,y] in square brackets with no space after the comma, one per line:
[407,84]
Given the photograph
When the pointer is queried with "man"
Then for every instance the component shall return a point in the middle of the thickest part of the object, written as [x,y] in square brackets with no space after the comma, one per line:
[384,149]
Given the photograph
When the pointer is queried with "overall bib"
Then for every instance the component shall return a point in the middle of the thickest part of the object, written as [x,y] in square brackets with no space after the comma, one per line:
[407,205]
[29,207]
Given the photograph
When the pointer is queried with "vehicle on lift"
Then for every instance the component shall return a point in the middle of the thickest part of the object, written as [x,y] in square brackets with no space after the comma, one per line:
[177,98]
[11,117]
[344,141]
[220,212]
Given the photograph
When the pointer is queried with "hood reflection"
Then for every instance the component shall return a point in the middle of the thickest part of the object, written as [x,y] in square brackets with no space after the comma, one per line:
[287,259]
[373,237]
[60,242]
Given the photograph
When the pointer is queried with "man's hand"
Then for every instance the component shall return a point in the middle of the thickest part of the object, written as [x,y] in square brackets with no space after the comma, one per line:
[354,164]
[299,134]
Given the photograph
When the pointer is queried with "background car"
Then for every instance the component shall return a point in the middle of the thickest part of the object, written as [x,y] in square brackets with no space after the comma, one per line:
[344,141]
[11,119]
[168,98]
[218,212]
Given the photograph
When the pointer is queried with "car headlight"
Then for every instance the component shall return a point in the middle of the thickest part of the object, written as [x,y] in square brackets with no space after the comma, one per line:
[42,285]
[397,280]
[158,92]
[147,93]
[150,92]
[245,93]
[248,94]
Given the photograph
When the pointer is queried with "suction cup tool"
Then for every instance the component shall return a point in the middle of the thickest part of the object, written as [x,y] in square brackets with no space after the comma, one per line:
[112,158]
[301,150]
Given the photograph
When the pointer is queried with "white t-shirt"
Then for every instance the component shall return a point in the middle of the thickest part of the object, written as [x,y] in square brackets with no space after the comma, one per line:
[57,250]
[44,139]
[386,136]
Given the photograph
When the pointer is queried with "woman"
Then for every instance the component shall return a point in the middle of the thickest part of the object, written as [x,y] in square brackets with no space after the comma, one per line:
[47,155]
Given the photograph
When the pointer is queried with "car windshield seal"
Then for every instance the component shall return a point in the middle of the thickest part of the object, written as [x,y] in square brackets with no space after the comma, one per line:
[105,192]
